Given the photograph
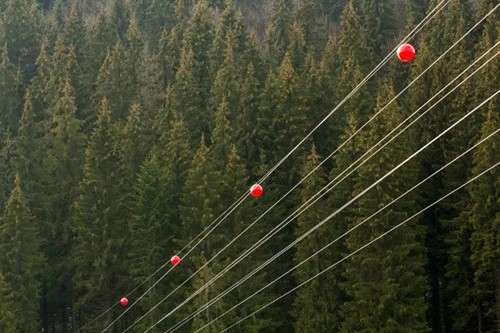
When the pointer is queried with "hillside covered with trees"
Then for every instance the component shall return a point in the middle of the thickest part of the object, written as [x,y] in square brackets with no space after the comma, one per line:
[129,126]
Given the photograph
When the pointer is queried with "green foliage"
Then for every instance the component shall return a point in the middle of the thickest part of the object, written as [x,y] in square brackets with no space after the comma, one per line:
[21,260]
[133,124]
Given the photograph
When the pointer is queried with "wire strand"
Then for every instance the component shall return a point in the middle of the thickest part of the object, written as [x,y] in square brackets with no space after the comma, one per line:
[409,36]
[348,232]
[300,210]
[213,225]
[417,29]
[288,247]
[329,268]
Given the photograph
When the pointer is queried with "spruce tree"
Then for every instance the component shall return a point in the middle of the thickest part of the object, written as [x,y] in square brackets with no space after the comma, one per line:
[7,318]
[10,94]
[116,82]
[100,222]
[386,283]
[63,165]
[277,32]
[485,222]
[20,23]
[186,98]
[20,243]
[316,307]
[230,23]
[312,20]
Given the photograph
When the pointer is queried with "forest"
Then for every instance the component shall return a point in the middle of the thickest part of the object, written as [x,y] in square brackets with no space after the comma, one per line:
[132,130]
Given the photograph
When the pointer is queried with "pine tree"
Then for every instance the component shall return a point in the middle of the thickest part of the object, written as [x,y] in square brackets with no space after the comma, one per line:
[230,24]
[20,23]
[100,222]
[386,283]
[116,82]
[151,83]
[186,98]
[277,33]
[284,116]
[485,222]
[29,148]
[246,132]
[380,23]
[10,95]
[7,318]
[63,165]
[20,243]
[155,220]
[315,307]
[201,204]
[313,22]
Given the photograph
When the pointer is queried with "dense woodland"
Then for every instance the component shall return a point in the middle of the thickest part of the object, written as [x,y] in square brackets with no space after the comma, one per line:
[128,126]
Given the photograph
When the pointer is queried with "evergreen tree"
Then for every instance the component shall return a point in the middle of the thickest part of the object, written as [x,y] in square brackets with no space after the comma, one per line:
[20,243]
[485,222]
[386,283]
[100,222]
[277,33]
[63,165]
[312,20]
[230,24]
[20,24]
[186,98]
[116,82]
[10,95]
[315,307]
[7,318]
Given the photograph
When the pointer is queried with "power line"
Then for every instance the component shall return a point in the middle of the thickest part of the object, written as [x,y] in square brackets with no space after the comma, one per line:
[491,168]
[417,29]
[359,195]
[410,35]
[346,233]
[289,219]
[213,225]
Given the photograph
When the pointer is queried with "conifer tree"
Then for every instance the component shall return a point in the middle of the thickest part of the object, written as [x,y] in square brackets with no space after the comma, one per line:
[386,283]
[246,117]
[316,308]
[313,22]
[7,318]
[20,24]
[20,243]
[100,221]
[151,84]
[201,204]
[284,115]
[277,33]
[198,37]
[116,82]
[10,96]
[186,98]
[230,23]
[485,222]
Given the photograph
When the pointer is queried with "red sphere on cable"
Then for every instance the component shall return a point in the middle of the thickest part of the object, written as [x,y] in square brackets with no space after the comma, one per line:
[256,191]
[406,53]
[175,260]
[124,302]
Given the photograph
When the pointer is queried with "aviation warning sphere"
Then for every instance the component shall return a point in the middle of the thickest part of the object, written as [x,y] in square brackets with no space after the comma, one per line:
[124,302]
[175,260]
[406,53]
[256,191]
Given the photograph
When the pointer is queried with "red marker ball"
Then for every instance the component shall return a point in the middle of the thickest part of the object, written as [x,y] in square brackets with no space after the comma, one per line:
[175,260]
[124,302]
[406,53]
[256,191]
